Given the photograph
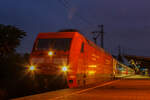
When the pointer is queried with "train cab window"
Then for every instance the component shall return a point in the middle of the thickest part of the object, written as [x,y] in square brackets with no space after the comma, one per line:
[54,43]
[82,48]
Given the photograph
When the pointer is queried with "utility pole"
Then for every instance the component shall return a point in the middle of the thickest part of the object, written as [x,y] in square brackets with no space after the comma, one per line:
[119,50]
[102,35]
[98,33]
[120,54]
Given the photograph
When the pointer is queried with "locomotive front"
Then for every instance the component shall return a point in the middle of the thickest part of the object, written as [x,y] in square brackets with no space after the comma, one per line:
[50,56]
[49,59]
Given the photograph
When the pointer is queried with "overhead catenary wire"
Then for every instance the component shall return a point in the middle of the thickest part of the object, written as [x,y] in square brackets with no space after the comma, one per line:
[65,3]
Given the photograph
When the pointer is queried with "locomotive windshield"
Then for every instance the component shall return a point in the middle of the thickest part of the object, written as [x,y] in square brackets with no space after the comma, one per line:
[54,43]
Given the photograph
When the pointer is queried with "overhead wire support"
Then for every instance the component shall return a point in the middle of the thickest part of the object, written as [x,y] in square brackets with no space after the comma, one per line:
[101,32]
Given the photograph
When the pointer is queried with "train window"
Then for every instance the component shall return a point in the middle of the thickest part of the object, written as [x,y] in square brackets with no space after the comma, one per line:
[57,44]
[70,81]
[93,45]
[78,82]
[82,48]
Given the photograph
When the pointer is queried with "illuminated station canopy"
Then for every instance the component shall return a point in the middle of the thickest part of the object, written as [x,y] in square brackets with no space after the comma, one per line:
[143,61]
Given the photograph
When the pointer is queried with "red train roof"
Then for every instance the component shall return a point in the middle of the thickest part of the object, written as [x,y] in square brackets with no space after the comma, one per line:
[57,35]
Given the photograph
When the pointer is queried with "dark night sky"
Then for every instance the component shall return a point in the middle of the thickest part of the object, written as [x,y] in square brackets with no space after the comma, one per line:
[126,22]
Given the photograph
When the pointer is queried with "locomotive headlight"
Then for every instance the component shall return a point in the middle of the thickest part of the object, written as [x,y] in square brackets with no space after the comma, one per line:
[50,53]
[64,68]
[32,68]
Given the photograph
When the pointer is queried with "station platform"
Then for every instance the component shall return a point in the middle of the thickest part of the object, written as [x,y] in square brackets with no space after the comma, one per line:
[130,88]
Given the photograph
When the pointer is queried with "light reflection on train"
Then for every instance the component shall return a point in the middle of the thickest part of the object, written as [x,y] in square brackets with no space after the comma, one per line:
[70,56]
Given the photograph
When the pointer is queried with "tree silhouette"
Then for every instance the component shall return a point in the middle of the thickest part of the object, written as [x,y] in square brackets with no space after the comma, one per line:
[11,63]
[10,37]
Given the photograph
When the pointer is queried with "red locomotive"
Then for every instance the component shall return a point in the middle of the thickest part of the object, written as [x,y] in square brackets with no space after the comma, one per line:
[71,55]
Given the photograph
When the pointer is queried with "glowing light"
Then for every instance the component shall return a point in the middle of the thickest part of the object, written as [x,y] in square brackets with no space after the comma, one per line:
[91,72]
[64,68]
[92,66]
[50,53]
[32,68]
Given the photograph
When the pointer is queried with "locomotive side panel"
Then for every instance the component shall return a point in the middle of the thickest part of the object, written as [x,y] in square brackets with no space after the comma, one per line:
[98,64]
[77,66]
